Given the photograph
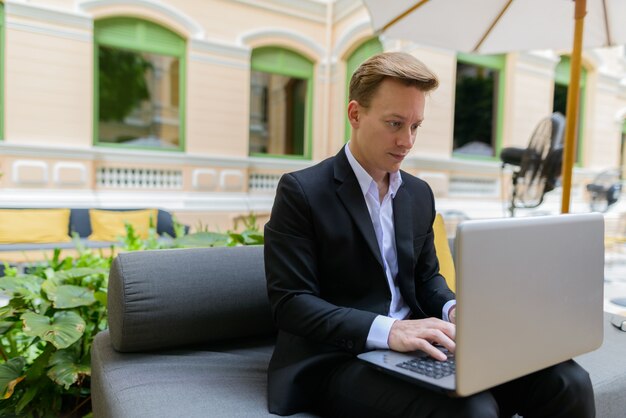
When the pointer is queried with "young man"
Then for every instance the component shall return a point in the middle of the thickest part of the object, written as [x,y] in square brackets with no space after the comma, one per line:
[351,266]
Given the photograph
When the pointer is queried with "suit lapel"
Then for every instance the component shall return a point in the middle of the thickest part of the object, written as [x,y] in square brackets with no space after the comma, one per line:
[352,198]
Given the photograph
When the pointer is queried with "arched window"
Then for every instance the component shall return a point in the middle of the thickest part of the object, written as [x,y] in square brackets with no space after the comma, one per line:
[479,105]
[561,85]
[281,103]
[139,85]
[364,51]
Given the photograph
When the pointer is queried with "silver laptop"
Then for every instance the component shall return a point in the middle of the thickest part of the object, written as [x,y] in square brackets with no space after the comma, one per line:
[529,295]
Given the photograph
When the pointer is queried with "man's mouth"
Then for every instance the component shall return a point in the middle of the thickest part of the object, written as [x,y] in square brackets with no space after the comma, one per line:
[398,157]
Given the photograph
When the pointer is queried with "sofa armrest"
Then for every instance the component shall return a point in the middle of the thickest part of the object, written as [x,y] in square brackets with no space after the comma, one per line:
[168,298]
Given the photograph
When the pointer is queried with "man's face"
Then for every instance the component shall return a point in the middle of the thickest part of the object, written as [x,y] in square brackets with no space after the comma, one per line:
[384,133]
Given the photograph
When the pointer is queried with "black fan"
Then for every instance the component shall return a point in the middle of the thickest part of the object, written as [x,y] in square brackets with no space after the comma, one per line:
[605,190]
[539,164]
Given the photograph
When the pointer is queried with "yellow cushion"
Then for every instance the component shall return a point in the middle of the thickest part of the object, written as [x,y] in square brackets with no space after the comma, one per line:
[108,225]
[446,264]
[19,226]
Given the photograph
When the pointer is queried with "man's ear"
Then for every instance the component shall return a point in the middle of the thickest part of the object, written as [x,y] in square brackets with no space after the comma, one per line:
[353,113]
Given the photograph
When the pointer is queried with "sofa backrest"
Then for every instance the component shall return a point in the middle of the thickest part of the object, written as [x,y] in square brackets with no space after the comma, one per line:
[80,223]
[172,298]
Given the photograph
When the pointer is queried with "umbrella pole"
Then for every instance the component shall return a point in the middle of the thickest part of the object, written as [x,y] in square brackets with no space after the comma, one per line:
[572,105]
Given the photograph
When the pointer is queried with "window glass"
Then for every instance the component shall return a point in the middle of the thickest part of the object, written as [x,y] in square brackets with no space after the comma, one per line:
[139,84]
[476,110]
[280,103]
[277,114]
[138,98]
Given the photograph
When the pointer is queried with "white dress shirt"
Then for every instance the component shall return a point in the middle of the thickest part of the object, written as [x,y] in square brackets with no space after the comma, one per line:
[381,213]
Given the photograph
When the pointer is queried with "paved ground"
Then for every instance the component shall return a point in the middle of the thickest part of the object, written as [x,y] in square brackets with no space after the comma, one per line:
[615,282]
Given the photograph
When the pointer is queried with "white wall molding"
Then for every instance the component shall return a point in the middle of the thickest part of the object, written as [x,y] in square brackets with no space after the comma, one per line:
[220,53]
[272,32]
[149,157]
[48,15]
[204,179]
[168,200]
[44,30]
[350,36]
[232,180]
[216,47]
[25,172]
[609,83]
[532,68]
[59,167]
[168,12]
[219,61]
[305,9]
[344,8]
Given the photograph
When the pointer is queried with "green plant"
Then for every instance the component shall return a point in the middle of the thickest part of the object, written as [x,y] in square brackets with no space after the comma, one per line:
[251,234]
[46,333]
[56,309]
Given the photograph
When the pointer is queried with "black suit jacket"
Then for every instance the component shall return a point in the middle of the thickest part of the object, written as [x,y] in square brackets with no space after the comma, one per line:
[325,276]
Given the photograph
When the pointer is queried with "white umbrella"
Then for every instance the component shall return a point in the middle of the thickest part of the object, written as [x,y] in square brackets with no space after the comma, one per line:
[496,26]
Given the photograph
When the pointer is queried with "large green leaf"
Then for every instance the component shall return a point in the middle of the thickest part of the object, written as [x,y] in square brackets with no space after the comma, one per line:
[5,326]
[24,284]
[68,296]
[10,375]
[62,330]
[101,297]
[64,369]
[77,273]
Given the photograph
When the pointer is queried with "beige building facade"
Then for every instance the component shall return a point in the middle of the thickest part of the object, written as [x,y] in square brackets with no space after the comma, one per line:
[230,65]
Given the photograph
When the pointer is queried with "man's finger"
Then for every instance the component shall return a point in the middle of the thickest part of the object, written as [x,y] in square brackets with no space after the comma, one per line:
[431,350]
[442,339]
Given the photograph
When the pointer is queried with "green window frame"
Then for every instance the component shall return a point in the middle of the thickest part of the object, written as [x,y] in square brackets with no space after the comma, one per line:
[140,35]
[2,71]
[289,63]
[367,49]
[562,78]
[498,63]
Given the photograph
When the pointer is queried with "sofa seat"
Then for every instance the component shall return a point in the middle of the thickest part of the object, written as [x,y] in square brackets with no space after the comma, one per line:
[191,334]
[607,370]
[217,381]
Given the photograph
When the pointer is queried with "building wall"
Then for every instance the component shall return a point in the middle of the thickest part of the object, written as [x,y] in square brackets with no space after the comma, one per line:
[48,78]
[48,158]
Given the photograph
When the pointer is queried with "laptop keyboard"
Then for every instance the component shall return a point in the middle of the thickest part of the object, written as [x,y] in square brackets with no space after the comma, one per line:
[430,367]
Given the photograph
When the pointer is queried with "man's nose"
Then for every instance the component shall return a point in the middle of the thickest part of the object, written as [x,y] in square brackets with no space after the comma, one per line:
[405,139]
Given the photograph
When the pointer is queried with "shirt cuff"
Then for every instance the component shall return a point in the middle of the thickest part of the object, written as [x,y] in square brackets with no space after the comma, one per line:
[446,309]
[378,337]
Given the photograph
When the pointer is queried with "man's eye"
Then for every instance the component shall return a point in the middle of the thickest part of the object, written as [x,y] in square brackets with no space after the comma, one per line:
[394,124]
[414,127]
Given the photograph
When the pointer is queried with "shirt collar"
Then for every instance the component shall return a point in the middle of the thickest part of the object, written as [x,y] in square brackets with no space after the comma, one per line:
[366,181]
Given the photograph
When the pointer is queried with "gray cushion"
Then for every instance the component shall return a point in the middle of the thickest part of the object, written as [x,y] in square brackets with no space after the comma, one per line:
[222,381]
[169,298]
[607,369]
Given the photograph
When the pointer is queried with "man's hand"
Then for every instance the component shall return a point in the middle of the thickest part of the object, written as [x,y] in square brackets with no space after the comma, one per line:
[421,334]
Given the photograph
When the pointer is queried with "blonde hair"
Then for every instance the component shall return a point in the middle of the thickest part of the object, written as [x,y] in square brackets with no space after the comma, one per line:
[398,65]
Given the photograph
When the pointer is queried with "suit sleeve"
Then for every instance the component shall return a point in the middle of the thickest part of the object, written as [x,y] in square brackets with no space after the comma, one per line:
[291,267]
[431,288]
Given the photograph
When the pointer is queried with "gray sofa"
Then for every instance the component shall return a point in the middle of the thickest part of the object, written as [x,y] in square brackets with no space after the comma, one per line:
[190,334]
